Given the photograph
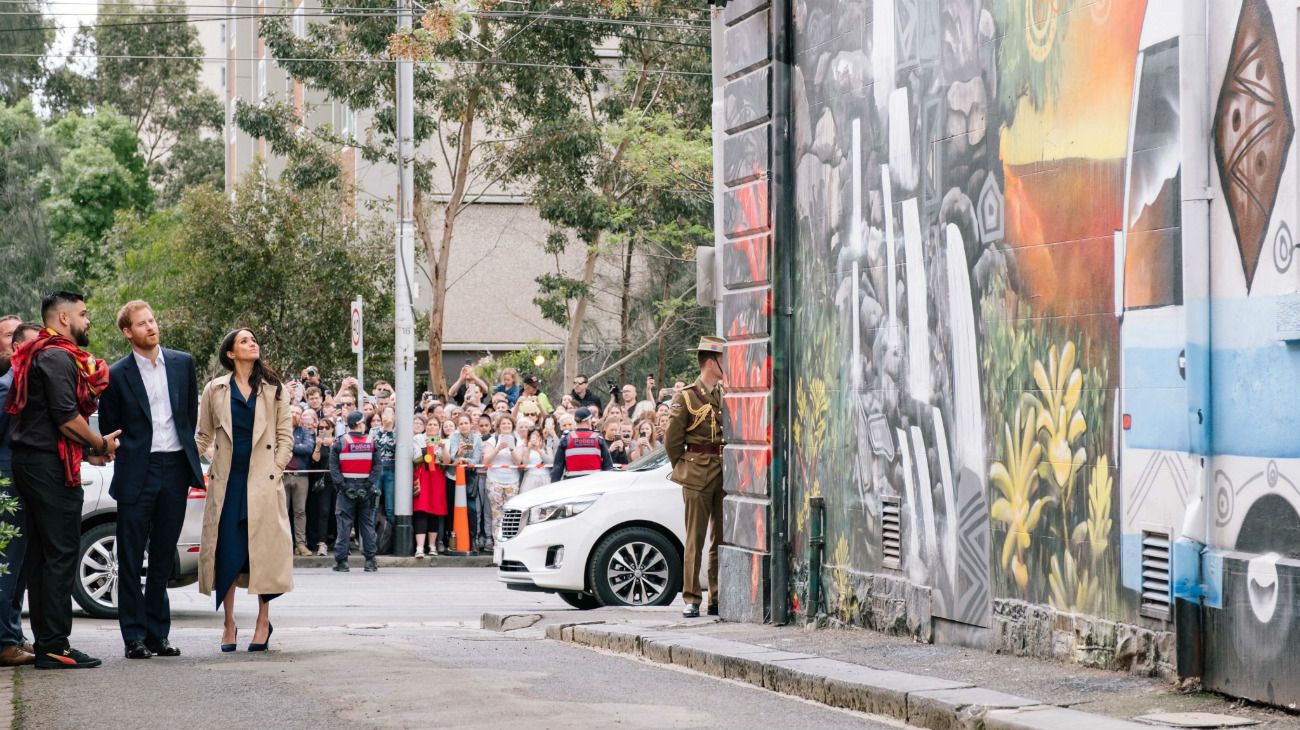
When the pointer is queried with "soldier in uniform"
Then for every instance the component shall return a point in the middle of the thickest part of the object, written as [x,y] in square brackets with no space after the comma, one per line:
[694,446]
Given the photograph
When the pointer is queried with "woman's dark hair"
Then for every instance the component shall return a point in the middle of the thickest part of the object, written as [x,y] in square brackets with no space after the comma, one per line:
[262,373]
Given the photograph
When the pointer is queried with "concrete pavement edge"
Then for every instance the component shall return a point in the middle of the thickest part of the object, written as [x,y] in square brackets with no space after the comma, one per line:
[9,710]
[918,700]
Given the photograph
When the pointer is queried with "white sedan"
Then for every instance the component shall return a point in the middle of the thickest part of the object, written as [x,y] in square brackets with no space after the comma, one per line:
[613,538]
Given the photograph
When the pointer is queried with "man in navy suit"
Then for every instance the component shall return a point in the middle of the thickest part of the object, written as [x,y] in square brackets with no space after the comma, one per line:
[152,396]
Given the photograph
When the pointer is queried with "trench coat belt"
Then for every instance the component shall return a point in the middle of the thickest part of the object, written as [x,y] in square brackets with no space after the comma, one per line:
[715,449]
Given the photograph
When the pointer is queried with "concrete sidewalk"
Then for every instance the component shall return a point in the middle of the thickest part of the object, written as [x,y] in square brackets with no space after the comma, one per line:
[925,685]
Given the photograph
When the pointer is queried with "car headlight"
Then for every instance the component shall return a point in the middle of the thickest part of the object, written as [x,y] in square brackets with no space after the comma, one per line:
[552,511]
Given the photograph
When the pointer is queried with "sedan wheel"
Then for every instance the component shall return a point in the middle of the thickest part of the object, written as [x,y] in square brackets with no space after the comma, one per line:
[635,566]
[97,572]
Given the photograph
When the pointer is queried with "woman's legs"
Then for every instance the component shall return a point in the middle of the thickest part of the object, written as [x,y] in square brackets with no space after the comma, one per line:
[421,521]
[228,607]
[497,496]
[263,626]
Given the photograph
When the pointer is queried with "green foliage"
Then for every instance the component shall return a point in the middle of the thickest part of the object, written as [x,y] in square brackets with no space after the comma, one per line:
[177,121]
[100,172]
[281,260]
[630,175]
[26,37]
[9,506]
[27,254]
[524,361]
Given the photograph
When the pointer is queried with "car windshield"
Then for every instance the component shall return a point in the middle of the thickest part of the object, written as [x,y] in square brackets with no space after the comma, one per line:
[652,460]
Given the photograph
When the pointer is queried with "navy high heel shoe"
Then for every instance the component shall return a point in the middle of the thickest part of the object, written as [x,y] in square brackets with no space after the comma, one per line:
[230,647]
[270,629]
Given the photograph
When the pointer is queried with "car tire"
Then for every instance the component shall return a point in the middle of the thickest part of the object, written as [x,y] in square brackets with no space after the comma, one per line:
[580,601]
[97,571]
[635,566]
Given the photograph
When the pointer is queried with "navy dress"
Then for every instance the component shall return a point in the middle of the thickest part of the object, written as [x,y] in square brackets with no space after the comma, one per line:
[232,531]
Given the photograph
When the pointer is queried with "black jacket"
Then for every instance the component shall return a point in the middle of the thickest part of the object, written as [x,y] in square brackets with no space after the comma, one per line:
[125,405]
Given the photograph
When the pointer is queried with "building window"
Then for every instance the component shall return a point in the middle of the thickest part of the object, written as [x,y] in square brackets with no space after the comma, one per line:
[348,121]
[223,78]
[223,32]
[299,22]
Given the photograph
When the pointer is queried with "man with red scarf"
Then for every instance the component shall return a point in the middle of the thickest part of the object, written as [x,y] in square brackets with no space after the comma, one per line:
[56,388]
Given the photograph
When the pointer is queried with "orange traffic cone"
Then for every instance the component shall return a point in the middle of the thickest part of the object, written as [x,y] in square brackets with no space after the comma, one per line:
[460,518]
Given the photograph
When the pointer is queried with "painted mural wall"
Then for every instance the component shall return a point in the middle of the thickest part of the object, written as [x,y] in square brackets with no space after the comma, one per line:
[1020,368]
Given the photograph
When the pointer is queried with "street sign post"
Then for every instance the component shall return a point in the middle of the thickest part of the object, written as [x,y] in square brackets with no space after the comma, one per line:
[359,339]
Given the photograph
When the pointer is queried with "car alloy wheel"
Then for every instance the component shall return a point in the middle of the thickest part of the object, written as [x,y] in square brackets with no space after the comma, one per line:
[635,566]
[99,571]
[637,573]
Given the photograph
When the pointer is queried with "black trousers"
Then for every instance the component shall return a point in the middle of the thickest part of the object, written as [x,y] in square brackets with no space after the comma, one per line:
[320,506]
[153,519]
[53,527]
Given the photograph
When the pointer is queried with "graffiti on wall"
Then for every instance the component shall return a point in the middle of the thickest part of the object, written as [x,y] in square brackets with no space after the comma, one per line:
[998,314]
[1253,129]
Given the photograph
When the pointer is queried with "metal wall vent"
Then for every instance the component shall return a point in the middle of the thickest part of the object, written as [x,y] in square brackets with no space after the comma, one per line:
[891,532]
[1155,574]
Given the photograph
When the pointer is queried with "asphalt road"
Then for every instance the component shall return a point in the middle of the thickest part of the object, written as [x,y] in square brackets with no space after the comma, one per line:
[399,648]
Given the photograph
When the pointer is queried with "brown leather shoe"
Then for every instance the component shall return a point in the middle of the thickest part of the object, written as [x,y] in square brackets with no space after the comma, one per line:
[14,656]
[302,550]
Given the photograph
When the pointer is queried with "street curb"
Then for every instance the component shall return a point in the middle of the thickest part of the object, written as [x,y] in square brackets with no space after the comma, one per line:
[394,561]
[918,700]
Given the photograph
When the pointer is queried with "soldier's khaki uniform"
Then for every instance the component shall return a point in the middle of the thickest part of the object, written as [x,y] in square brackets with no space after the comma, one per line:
[694,445]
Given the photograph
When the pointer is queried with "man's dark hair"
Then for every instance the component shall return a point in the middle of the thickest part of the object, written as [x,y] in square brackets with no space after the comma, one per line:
[704,356]
[310,391]
[485,417]
[56,299]
[26,331]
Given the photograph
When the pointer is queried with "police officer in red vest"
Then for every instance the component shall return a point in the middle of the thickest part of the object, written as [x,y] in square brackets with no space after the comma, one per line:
[355,469]
[581,451]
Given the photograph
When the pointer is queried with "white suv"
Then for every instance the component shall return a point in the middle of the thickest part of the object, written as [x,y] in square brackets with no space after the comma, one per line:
[95,589]
[613,538]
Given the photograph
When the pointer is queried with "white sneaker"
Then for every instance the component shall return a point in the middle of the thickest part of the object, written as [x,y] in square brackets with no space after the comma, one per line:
[433,550]
[321,550]
[419,554]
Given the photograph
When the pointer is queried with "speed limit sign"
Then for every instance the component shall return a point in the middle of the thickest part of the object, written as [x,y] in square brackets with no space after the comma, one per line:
[358,338]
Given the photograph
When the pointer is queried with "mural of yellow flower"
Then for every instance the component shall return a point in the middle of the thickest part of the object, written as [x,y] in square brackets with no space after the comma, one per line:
[1061,384]
[1018,507]
[1099,523]
[1072,589]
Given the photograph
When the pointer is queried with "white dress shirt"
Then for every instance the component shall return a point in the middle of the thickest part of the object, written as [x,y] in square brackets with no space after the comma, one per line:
[154,375]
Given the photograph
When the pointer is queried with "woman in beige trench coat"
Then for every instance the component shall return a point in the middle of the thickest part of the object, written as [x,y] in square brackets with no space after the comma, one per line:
[246,537]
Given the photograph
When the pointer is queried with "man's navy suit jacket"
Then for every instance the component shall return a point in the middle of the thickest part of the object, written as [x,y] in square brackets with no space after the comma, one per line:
[125,405]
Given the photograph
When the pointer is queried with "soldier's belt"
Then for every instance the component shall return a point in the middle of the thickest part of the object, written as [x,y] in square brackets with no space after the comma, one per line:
[715,449]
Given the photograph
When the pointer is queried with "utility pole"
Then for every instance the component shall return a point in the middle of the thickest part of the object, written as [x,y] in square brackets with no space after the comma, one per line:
[404,341]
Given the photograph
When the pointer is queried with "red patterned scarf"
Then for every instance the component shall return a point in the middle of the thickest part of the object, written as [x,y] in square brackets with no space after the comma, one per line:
[92,379]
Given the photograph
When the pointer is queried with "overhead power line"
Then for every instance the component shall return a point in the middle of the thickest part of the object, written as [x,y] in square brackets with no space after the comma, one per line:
[432,62]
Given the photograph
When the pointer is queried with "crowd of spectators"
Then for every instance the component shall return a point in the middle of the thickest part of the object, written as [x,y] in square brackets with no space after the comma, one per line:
[504,435]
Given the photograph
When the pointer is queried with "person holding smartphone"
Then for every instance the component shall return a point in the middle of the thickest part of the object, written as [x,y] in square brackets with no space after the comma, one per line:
[320,490]
[503,454]
[645,441]
[618,448]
